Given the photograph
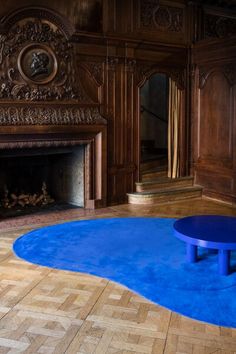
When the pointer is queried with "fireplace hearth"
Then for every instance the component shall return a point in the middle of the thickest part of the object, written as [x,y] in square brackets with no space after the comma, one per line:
[69,164]
[34,178]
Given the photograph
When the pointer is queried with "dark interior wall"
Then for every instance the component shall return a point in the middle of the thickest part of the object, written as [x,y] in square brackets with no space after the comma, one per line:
[213,101]
[154,117]
[82,14]
[214,121]
[117,45]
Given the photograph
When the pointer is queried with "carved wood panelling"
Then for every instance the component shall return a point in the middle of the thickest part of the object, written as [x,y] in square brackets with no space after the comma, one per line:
[216,120]
[216,26]
[43,115]
[161,18]
[229,71]
[41,13]
[176,73]
[95,70]
[213,130]
[20,51]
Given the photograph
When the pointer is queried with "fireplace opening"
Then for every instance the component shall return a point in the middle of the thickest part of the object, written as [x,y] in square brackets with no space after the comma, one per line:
[35,179]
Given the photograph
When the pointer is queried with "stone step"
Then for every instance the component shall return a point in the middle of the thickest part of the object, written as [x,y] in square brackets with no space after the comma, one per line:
[164,183]
[164,196]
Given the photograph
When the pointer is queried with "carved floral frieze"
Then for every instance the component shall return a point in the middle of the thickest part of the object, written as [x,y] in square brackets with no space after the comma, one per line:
[38,144]
[44,115]
[36,64]
[161,18]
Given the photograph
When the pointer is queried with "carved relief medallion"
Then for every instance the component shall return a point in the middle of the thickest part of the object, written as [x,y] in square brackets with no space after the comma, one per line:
[37,64]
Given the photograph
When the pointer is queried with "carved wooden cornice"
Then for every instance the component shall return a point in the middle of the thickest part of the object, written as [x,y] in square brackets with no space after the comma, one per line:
[49,115]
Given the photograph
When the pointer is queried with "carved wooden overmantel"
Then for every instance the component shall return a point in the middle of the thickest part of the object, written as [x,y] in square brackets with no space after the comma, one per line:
[43,101]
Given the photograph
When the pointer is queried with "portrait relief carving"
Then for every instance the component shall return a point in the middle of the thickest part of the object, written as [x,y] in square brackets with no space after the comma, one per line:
[37,64]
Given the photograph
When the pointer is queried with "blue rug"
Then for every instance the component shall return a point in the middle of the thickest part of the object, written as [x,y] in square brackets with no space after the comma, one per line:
[142,254]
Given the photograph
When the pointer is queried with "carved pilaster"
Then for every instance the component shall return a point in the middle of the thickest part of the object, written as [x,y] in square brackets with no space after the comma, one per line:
[130,65]
[112,62]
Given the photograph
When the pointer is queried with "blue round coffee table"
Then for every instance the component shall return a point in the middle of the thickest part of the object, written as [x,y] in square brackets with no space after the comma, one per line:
[209,231]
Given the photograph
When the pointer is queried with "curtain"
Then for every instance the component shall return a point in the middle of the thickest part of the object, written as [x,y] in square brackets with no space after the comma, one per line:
[173,129]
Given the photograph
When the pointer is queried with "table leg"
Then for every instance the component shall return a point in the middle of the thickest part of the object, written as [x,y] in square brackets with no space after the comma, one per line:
[191,253]
[224,262]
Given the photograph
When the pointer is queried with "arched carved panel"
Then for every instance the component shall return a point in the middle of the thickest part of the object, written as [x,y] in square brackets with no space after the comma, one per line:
[228,71]
[143,72]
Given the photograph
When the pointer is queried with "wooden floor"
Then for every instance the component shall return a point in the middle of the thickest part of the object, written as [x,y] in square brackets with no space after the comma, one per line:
[51,311]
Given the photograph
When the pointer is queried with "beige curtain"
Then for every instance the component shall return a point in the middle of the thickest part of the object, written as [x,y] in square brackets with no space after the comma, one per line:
[173,129]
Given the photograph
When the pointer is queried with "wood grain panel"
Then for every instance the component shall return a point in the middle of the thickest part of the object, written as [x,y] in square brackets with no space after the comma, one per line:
[214,118]
[215,182]
[215,130]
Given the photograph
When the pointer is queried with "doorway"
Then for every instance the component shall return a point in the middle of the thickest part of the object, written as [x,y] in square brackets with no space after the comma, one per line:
[154,97]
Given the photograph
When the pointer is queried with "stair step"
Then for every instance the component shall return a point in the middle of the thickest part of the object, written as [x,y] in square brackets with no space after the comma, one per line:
[164,196]
[164,183]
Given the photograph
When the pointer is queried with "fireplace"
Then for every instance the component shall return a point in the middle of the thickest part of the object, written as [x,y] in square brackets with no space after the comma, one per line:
[53,136]
[39,177]
[66,166]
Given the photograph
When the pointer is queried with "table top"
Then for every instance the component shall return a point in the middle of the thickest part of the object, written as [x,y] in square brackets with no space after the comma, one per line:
[211,231]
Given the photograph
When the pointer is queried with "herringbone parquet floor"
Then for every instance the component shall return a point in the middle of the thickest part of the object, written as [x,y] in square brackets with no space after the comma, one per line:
[51,311]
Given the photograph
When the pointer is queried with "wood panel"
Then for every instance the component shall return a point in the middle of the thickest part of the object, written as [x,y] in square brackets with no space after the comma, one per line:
[116,51]
[213,134]
[215,126]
